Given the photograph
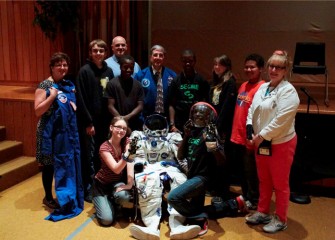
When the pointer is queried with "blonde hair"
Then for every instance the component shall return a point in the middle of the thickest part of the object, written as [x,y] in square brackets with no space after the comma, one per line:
[280,56]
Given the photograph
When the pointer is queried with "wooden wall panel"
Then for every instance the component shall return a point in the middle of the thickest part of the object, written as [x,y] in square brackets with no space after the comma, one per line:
[20,121]
[5,71]
[2,113]
[31,40]
[11,46]
[24,50]
[2,76]
[17,37]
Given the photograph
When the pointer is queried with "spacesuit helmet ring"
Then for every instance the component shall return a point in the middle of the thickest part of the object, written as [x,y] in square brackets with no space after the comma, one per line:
[202,114]
[155,125]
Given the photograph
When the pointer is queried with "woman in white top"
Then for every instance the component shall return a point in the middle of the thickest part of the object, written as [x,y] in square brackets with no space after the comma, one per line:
[270,127]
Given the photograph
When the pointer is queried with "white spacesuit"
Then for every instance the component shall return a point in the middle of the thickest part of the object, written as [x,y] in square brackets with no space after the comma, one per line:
[156,167]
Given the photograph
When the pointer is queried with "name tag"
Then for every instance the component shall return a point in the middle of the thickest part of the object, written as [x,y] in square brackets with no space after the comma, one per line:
[265,148]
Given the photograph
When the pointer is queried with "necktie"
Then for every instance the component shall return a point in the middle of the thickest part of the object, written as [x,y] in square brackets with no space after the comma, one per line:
[159,108]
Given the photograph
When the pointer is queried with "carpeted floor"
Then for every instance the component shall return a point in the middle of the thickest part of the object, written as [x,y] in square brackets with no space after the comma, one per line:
[22,217]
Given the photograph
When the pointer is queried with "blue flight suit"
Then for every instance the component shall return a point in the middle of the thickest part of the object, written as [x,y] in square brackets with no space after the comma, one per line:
[60,139]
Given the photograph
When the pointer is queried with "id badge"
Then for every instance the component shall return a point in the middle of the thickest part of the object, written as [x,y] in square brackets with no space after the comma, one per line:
[265,148]
[264,151]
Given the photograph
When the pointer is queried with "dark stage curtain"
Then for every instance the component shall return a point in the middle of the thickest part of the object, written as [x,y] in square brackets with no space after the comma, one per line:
[107,19]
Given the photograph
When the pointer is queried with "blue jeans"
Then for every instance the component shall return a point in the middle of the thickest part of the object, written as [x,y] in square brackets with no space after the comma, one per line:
[189,198]
[107,202]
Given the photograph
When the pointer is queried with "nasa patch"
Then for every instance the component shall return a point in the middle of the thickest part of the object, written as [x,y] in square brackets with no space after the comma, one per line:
[145,82]
[62,97]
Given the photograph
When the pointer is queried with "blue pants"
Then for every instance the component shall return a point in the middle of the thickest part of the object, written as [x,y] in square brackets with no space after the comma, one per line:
[193,189]
[107,202]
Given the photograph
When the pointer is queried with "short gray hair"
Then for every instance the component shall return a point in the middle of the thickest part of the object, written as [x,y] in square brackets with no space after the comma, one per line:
[157,47]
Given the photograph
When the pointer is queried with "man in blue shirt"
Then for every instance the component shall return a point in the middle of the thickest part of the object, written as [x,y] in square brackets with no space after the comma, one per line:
[119,48]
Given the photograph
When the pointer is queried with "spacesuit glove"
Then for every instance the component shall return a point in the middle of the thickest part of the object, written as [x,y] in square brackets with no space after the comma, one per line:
[129,155]
[183,166]
[211,138]
[133,146]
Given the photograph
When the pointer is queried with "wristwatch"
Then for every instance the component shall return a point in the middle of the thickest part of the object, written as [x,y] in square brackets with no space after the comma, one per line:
[125,156]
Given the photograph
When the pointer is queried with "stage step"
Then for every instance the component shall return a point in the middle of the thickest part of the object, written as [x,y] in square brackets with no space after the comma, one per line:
[10,150]
[14,167]
[17,170]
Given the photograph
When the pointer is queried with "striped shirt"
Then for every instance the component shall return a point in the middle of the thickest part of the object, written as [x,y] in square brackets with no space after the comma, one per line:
[105,175]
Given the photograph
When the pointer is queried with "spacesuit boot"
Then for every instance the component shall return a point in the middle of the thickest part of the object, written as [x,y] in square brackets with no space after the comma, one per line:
[144,233]
[179,231]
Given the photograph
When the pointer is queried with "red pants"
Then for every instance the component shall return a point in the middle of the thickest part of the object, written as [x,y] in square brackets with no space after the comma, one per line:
[274,173]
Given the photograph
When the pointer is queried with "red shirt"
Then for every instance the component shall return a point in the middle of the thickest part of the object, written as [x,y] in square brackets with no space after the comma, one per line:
[245,95]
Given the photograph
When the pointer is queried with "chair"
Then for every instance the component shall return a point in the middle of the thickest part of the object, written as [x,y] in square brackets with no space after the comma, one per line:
[309,58]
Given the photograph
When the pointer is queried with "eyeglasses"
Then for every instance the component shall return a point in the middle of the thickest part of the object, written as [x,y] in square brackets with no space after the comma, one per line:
[100,50]
[274,67]
[120,128]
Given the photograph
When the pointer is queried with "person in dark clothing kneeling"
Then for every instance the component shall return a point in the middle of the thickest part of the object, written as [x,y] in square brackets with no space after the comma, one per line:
[198,149]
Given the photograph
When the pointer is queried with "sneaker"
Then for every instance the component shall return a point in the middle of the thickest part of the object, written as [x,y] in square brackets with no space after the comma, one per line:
[144,233]
[185,232]
[242,207]
[203,225]
[258,217]
[51,203]
[275,225]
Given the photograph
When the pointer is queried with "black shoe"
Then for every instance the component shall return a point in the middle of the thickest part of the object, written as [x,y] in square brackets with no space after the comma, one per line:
[300,198]
[51,203]
[88,198]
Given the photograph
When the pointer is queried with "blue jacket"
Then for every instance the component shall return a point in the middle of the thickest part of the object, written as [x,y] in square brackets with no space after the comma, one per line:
[149,85]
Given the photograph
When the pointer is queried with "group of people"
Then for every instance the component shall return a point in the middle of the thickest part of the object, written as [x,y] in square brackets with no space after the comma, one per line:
[120,130]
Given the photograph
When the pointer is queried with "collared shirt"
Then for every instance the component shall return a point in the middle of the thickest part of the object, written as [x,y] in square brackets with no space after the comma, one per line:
[113,63]
[154,71]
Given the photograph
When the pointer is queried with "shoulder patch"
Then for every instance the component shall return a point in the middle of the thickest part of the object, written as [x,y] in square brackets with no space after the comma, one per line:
[62,97]
[145,82]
